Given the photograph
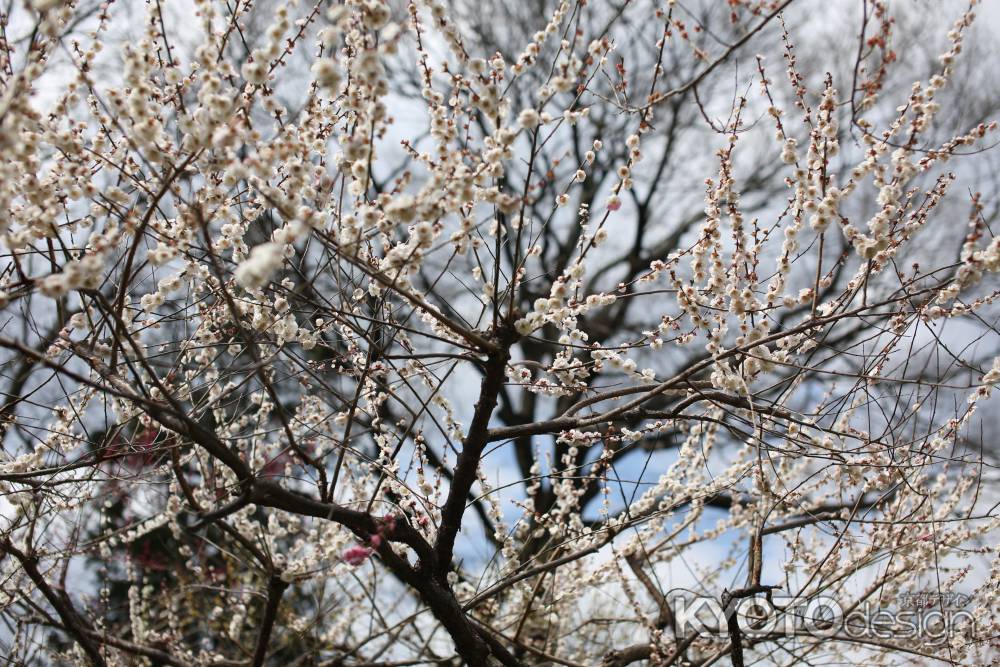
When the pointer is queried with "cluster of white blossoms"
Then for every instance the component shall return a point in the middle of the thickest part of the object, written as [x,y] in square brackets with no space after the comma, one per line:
[257,269]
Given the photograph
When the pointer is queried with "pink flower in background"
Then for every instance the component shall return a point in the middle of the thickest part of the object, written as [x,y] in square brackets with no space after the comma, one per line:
[356,555]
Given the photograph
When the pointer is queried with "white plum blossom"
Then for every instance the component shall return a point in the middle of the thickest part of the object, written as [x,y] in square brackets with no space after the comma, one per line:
[256,270]
[328,75]
[529,119]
